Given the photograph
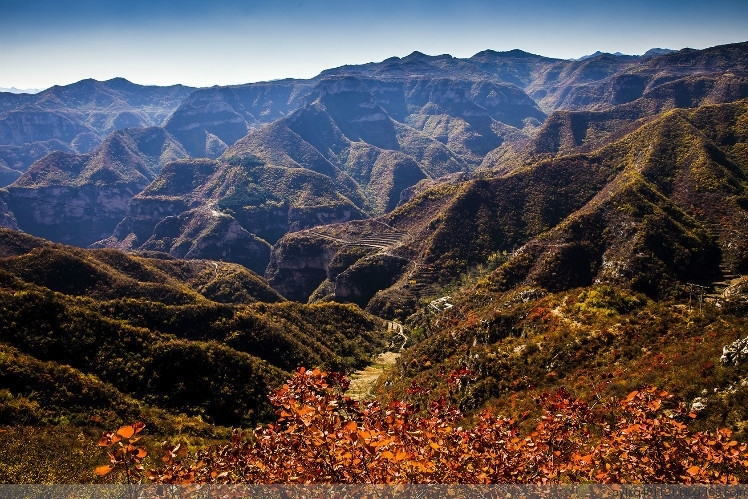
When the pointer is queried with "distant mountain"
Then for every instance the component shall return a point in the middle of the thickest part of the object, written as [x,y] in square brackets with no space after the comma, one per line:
[342,156]
[14,90]
[380,138]
[355,141]
[616,54]
[656,52]
[621,105]
[77,117]
[228,209]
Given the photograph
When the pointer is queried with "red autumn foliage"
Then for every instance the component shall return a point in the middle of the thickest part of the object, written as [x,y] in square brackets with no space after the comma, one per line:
[124,456]
[321,436]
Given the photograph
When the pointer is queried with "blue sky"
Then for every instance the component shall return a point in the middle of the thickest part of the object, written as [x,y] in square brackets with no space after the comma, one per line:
[208,42]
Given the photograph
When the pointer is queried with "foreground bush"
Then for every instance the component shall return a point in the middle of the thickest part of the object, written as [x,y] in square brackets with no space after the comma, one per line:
[321,436]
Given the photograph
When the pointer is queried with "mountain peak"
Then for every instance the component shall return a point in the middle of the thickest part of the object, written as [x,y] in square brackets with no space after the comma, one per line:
[510,54]
[14,90]
[415,55]
[600,54]
[655,52]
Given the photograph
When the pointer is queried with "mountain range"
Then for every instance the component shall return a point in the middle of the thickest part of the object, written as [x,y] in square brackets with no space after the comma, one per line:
[531,221]
[351,143]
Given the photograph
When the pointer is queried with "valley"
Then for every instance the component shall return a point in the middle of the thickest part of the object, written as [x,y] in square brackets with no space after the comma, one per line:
[473,233]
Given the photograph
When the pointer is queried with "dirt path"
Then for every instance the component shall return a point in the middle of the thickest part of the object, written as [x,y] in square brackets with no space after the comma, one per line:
[362,382]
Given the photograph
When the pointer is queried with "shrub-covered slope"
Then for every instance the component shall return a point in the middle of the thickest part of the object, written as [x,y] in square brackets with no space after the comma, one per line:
[204,338]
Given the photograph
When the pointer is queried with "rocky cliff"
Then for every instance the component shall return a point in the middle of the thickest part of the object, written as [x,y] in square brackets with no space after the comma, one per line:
[80,199]
[229,209]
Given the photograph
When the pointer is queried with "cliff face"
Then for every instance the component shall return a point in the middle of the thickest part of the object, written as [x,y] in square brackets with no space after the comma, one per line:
[22,127]
[73,215]
[7,219]
[208,234]
[80,199]
[299,264]
[347,262]
[212,119]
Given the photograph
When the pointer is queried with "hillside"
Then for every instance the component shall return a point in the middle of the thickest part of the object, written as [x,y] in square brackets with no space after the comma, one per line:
[521,225]
[229,209]
[507,351]
[646,205]
[177,336]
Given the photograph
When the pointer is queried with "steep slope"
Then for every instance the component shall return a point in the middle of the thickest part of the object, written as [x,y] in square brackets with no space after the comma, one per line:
[340,157]
[77,117]
[212,119]
[639,212]
[380,137]
[592,114]
[640,80]
[79,199]
[567,132]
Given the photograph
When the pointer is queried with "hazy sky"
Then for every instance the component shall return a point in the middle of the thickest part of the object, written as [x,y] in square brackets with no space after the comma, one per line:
[208,42]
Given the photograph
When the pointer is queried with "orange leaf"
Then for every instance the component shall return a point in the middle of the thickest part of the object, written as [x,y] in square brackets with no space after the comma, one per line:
[103,470]
[434,445]
[126,431]
[631,396]
[693,470]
